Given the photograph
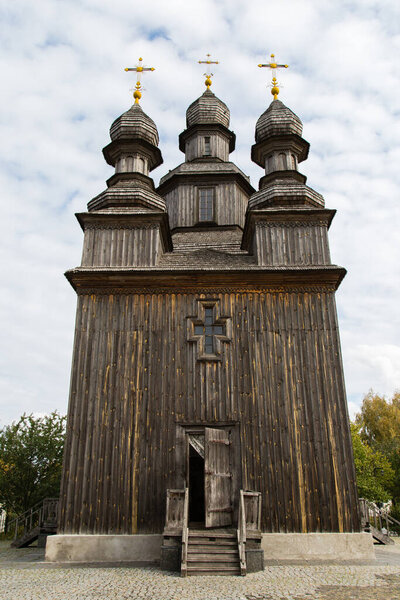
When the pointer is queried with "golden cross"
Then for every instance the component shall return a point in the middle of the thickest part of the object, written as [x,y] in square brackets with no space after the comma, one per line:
[139,70]
[208,75]
[273,66]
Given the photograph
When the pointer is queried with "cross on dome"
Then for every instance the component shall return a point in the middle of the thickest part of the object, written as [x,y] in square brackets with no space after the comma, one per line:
[273,66]
[208,73]
[139,70]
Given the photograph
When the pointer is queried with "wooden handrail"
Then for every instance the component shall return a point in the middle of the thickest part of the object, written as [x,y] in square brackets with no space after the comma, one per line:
[30,519]
[241,534]
[33,508]
[369,509]
[26,513]
[34,516]
[185,534]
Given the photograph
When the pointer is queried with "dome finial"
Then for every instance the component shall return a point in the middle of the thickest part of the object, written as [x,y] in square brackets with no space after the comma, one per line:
[208,74]
[273,65]
[137,94]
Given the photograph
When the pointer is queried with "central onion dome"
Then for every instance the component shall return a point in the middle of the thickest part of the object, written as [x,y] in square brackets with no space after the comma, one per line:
[278,119]
[206,110]
[134,123]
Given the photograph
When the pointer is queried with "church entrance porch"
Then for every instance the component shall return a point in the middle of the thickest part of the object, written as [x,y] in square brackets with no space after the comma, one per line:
[221,550]
[211,526]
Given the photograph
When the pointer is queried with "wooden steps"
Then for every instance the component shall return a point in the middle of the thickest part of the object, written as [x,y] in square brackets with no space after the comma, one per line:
[27,538]
[378,521]
[212,553]
[380,537]
[217,550]
[32,535]
[36,523]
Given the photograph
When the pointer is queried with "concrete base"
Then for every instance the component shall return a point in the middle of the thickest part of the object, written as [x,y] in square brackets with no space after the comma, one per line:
[104,548]
[146,549]
[171,558]
[254,560]
[317,546]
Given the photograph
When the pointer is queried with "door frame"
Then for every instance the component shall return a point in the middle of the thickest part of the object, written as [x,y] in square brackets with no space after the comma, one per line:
[182,455]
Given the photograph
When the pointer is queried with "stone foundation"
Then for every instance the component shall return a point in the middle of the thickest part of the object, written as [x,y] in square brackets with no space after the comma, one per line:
[141,549]
[147,549]
[317,546]
[171,558]
[254,560]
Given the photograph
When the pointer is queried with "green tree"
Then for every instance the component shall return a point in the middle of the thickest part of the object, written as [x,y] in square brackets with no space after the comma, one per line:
[374,472]
[31,453]
[379,426]
[379,419]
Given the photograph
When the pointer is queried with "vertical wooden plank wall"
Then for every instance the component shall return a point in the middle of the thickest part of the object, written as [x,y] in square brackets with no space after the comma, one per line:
[115,247]
[219,146]
[230,204]
[299,243]
[135,377]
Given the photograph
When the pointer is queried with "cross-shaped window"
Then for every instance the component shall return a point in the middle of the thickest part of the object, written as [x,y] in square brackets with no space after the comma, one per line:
[208,330]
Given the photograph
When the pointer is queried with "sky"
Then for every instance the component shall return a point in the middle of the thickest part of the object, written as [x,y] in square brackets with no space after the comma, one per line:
[63,83]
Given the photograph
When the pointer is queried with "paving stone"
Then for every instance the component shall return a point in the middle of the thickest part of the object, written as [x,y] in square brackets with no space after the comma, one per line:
[25,576]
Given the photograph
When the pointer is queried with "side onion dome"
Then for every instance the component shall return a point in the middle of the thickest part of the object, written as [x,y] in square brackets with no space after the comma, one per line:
[278,119]
[134,143]
[207,109]
[134,123]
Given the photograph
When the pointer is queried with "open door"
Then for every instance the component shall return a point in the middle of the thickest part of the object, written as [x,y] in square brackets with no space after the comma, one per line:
[217,478]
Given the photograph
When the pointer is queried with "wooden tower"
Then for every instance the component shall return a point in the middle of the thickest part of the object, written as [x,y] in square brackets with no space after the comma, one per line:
[207,352]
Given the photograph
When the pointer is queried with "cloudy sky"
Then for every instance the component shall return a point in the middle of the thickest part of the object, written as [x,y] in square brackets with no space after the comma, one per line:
[63,83]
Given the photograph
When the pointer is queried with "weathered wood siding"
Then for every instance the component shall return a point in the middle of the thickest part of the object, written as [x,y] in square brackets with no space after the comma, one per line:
[291,244]
[229,209]
[136,378]
[132,163]
[115,247]
[219,146]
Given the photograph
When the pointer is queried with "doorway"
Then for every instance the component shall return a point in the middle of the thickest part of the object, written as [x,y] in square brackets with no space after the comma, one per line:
[211,476]
[196,488]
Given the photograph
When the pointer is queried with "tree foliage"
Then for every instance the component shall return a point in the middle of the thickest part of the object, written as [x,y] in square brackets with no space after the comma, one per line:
[374,472]
[31,453]
[379,419]
[379,427]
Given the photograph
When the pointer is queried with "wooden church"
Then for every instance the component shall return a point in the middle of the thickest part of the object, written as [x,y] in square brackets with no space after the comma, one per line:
[207,421]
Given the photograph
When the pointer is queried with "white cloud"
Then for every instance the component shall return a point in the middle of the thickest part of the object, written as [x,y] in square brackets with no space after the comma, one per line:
[368,367]
[63,84]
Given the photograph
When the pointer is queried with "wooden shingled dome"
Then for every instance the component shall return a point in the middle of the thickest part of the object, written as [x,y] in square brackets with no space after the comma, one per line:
[134,123]
[278,119]
[207,109]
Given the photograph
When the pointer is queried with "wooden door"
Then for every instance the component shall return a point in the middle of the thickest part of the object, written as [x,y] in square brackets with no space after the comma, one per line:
[218,478]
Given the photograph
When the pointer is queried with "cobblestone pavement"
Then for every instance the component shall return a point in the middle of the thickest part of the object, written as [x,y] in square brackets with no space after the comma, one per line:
[25,576]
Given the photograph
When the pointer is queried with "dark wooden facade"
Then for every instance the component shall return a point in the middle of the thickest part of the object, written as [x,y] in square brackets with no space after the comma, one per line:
[142,381]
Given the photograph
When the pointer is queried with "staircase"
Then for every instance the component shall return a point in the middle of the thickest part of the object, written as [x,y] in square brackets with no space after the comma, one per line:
[379,536]
[377,521]
[35,524]
[27,538]
[212,552]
